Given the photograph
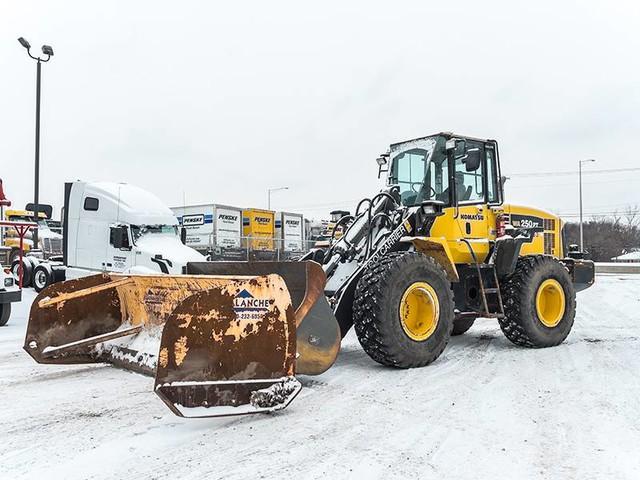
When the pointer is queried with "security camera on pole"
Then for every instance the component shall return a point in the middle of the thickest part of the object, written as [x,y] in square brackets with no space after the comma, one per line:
[48,51]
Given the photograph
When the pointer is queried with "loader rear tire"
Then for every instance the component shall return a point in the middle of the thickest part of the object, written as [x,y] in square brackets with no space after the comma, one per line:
[531,320]
[403,310]
[461,326]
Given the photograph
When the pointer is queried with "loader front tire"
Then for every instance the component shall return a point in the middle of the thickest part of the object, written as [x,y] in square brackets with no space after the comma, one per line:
[539,303]
[403,310]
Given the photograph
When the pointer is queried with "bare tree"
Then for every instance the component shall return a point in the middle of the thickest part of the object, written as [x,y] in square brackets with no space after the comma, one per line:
[632,215]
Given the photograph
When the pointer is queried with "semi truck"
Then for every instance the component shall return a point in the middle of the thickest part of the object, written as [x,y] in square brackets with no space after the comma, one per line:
[113,227]
[49,241]
[213,230]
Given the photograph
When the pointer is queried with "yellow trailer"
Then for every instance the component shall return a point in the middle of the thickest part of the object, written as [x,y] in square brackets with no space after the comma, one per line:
[259,231]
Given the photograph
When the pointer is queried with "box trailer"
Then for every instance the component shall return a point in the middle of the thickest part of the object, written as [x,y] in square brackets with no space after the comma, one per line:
[259,232]
[213,229]
[290,234]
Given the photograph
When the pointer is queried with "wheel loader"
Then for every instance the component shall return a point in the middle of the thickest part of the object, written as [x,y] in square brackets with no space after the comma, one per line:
[420,261]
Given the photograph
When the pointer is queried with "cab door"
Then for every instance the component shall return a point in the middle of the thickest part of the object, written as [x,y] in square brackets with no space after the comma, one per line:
[473,216]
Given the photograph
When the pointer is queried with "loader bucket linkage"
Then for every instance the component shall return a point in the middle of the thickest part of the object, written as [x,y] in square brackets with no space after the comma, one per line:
[217,344]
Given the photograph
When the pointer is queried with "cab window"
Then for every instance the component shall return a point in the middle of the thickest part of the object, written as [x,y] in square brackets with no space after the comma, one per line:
[422,174]
[469,184]
[493,195]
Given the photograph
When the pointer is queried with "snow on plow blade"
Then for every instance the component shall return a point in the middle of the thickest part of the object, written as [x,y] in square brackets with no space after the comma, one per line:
[217,345]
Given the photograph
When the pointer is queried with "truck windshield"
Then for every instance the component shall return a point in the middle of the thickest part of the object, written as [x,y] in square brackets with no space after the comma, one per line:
[42,223]
[421,170]
[139,230]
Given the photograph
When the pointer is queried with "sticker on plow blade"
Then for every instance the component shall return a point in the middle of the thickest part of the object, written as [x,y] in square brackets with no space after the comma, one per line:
[318,333]
[230,350]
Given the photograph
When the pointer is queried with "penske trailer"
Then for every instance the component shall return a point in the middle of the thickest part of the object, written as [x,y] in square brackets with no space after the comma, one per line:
[290,234]
[213,229]
[259,232]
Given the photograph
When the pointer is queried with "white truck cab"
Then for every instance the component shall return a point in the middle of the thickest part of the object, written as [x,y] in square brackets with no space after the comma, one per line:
[119,227]
[115,227]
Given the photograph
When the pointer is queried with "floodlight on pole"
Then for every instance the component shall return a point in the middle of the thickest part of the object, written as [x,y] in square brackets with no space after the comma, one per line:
[48,51]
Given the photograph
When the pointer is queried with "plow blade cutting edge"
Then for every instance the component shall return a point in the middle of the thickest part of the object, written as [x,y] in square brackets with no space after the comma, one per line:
[217,345]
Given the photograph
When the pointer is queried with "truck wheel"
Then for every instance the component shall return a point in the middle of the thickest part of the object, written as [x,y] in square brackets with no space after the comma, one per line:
[403,310]
[5,313]
[462,325]
[27,271]
[42,277]
[539,303]
[15,255]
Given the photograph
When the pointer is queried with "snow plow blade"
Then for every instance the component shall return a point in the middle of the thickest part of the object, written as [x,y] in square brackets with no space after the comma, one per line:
[317,329]
[217,345]
[230,351]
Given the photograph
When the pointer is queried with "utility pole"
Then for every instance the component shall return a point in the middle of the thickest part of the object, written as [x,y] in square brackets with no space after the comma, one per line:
[269,190]
[580,189]
[48,51]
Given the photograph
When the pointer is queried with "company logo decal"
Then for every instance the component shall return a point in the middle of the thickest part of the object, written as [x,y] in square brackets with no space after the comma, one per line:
[245,302]
[467,216]
[193,220]
[231,218]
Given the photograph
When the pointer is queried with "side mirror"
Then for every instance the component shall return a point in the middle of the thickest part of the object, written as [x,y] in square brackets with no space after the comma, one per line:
[119,237]
[472,160]
[382,161]
[183,235]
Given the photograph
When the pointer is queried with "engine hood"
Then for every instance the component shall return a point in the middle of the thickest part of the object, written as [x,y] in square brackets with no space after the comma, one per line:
[170,247]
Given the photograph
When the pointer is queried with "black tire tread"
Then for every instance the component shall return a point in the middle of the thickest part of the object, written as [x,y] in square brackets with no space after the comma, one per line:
[5,313]
[367,311]
[512,324]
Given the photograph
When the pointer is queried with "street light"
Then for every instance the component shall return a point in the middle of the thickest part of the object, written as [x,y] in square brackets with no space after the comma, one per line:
[48,51]
[580,188]
[269,190]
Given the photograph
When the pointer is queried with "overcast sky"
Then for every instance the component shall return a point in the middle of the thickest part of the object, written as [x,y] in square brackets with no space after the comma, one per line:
[217,101]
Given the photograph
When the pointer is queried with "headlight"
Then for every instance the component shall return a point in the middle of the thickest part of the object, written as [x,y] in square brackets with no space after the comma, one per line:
[428,209]
[8,282]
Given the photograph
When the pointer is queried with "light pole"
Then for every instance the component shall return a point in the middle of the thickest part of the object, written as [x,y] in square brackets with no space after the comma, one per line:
[580,188]
[269,190]
[48,51]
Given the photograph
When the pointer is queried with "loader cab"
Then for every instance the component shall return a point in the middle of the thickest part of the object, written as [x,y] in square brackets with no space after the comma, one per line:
[447,168]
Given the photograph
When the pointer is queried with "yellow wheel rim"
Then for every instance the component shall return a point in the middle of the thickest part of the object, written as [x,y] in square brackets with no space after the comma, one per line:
[550,302]
[419,311]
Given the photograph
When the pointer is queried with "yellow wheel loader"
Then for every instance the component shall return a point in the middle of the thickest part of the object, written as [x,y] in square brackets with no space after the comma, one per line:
[420,261]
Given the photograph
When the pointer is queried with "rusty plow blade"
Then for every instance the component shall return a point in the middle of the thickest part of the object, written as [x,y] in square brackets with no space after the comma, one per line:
[230,350]
[217,344]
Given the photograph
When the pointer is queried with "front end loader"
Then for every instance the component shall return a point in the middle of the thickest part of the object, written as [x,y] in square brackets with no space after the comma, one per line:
[420,261]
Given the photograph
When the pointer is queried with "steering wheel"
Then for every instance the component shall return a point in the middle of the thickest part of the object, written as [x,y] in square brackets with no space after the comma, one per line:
[421,194]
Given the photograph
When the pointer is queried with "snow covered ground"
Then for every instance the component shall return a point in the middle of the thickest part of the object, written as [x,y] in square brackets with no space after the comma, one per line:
[485,409]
